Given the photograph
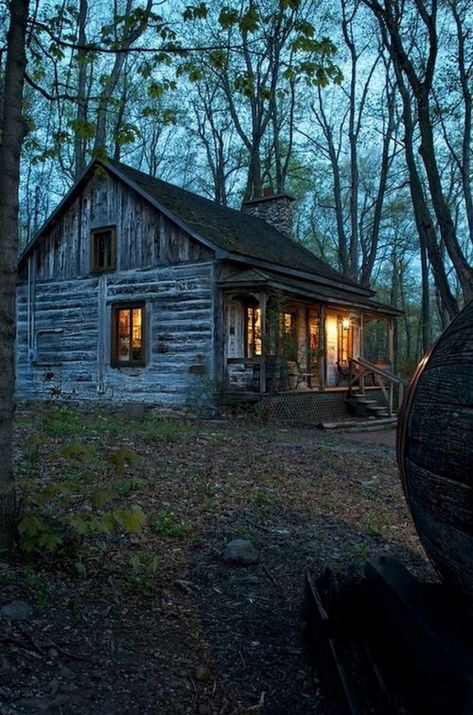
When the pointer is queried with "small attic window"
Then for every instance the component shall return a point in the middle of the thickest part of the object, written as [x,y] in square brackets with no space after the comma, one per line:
[103,249]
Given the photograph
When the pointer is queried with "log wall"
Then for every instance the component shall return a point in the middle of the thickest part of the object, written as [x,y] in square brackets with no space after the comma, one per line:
[65,310]
[75,363]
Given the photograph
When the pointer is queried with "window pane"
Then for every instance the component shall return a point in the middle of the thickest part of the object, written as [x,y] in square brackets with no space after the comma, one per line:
[258,331]
[253,323]
[136,343]
[103,250]
[124,354]
[314,339]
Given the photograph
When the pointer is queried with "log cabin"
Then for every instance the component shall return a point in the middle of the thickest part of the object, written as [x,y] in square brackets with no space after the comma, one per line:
[138,291]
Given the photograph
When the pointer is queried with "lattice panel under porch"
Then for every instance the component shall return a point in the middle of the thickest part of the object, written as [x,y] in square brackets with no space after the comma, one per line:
[304,407]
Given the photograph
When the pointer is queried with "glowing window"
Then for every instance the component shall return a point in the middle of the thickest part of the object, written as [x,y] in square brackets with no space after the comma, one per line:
[254,345]
[345,340]
[128,346]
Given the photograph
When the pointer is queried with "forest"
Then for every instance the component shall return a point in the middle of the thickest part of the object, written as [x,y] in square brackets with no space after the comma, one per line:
[120,587]
[362,110]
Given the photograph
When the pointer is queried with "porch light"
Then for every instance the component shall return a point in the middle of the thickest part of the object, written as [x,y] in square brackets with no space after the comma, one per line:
[345,323]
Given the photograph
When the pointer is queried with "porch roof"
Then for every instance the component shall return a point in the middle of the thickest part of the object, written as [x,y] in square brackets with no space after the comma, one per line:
[338,297]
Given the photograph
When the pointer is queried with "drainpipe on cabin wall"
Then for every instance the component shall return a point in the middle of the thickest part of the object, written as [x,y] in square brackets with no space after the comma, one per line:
[31,307]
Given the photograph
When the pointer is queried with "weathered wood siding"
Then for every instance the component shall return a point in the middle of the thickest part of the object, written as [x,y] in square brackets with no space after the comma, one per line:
[65,310]
[145,238]
[179,346]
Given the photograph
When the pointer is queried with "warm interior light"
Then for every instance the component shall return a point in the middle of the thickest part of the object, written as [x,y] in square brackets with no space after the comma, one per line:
[345,323]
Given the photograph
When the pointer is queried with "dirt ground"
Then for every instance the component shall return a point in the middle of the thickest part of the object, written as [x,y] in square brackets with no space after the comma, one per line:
[154,620]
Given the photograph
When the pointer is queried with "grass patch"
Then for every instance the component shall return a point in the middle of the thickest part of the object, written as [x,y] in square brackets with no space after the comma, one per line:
[167,525]
[78,451]
[157,429]
[62,422]
[265,498]
[122,459]
[144,572]
[130,485]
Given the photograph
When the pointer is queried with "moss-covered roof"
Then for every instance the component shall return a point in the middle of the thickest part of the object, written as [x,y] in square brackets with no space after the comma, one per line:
[229,229]
[240,236]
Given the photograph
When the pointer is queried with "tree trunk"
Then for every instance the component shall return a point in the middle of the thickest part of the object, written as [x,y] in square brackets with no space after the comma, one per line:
[439,203]
[80,143]
[425,319]
[113,78]
[13,132]
[420,80]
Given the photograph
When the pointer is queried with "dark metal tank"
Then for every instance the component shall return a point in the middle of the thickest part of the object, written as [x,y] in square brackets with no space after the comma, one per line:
[435,452]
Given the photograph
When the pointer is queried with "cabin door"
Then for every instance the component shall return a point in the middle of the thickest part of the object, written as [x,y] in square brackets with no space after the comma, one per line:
[341,340]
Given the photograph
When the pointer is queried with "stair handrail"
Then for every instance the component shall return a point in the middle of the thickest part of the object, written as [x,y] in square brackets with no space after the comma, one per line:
[378,373]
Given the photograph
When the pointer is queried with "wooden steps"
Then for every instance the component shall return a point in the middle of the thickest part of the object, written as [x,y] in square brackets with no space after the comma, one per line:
[362,406]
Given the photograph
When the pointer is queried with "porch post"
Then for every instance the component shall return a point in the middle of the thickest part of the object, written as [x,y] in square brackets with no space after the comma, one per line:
[322,349]
[362,335]
[391,342]
[391,361]
[263,299]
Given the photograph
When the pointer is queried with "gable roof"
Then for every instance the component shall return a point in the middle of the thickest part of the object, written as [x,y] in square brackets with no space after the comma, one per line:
[232,230]
[238,235]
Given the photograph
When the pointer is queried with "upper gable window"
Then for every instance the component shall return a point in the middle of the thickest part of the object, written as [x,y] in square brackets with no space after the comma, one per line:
[103,249]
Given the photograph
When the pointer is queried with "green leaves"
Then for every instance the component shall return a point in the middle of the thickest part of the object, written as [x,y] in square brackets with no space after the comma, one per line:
[167,525]
[192,70]
[156,89]
[131,520]
[250,20]
[289,4]
[127,134]
[228,17]
[245,84]
[37,534]
[82,129]
[195,12]
[56,51]
[219,59]
[247,22]
[102,495]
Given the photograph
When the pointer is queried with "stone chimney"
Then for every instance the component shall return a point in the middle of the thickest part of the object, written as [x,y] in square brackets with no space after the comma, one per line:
[275,209]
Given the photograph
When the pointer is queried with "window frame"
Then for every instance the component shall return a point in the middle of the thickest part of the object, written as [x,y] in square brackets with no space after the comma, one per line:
[251,347]
[93,251]
[116,308]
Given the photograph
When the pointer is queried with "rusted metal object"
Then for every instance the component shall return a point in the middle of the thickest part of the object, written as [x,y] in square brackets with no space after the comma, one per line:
[435,452]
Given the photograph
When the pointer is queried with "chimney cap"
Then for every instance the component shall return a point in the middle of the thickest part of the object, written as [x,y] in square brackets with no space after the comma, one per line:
[268,195]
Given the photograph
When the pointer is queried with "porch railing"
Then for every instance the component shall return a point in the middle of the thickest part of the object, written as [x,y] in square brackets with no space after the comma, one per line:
[360,369]
[255,369]
[264,373]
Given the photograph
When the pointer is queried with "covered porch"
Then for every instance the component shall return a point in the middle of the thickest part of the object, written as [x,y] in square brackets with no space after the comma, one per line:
[278,341]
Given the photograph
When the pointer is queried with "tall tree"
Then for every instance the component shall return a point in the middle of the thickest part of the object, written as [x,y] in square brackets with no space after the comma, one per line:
[360,158]
[13,131]
[271,52]
[418,77]
[135,24]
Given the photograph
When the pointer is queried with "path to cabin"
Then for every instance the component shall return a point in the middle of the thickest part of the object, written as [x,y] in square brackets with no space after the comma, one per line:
[157,622]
